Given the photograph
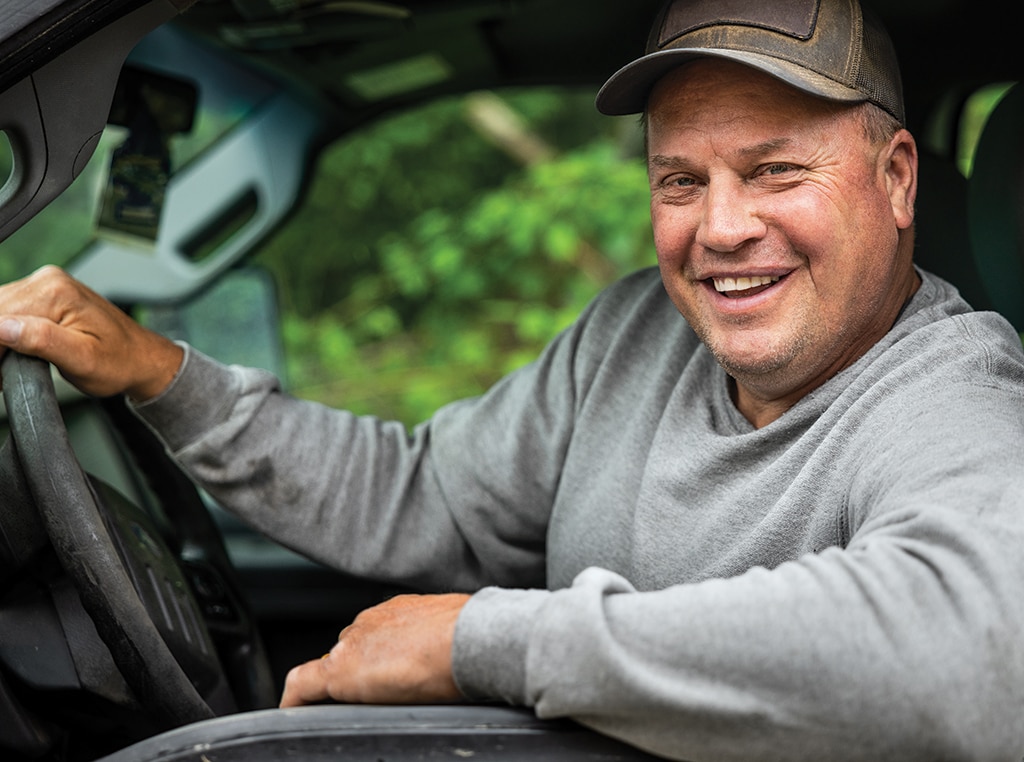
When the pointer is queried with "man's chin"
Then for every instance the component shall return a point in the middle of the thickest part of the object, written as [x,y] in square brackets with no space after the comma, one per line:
[758,361]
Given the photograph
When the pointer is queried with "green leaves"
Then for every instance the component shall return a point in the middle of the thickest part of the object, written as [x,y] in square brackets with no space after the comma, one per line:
[428,262]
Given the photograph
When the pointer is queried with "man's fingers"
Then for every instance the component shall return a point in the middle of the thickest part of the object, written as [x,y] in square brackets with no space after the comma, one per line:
[31,335]
[306,684]
[36,337]
[47,315]
[396,653]
[78,355]
[338,675]
[96,346]
[10,331]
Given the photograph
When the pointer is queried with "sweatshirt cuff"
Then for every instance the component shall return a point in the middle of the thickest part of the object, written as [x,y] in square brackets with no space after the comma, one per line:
[492,638]
[199,395]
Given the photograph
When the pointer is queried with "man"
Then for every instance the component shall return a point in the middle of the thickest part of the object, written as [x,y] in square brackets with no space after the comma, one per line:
[786,527]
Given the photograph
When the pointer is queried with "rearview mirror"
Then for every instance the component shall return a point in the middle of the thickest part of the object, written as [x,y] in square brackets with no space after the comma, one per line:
[152,108]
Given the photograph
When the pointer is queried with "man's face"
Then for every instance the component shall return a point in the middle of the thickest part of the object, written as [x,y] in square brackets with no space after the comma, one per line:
[776,223]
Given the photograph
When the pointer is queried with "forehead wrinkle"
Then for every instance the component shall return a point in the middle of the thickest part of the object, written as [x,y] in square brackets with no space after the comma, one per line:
[765,147]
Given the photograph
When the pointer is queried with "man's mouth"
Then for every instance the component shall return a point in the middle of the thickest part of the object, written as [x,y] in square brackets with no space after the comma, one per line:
[736,288]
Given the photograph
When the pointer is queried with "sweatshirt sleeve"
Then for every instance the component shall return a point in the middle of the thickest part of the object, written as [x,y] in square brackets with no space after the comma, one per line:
[461,502]
[904,644]
[356,493]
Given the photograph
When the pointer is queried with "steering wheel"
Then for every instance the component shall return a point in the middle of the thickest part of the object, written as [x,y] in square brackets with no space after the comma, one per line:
[125,575]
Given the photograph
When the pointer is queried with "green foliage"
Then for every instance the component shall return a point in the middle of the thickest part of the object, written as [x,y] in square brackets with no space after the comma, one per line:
[427,263]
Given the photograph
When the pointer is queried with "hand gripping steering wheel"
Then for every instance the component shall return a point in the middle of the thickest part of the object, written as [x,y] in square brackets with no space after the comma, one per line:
[87,536]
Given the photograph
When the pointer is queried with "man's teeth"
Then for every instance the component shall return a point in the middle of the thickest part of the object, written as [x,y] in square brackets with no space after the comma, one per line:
[723,285]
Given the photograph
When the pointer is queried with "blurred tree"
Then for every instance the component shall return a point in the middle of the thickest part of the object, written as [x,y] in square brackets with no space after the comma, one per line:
[446,246]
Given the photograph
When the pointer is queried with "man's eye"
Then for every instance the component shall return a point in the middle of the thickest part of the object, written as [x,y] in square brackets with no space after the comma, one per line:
[777,169]
[680,181]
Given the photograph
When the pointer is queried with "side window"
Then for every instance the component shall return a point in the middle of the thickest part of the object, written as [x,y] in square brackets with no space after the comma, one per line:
[973,117]
[441,248]
[984,253]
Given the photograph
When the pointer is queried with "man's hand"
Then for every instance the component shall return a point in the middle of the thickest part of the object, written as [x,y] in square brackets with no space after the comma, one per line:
[95,345]
[399,652]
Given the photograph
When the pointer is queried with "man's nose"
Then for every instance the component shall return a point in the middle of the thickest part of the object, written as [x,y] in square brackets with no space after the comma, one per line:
[729,217]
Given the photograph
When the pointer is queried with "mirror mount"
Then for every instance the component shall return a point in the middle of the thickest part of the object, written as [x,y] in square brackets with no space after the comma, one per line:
[221,204]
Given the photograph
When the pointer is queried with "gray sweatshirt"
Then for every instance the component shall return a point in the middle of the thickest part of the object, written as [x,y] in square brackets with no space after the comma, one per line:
[844,583]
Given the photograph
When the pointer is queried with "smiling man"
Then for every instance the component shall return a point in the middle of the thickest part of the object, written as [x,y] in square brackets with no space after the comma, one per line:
[783,233]
[765,502]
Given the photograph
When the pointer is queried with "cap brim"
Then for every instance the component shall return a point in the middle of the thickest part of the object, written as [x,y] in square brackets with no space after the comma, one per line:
[627,90]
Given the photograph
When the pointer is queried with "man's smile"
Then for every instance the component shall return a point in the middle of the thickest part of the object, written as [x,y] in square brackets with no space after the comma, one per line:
[743,286]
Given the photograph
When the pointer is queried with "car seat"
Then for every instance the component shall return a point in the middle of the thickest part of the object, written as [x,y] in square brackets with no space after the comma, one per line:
[971,232]
[942,234]
[995,208]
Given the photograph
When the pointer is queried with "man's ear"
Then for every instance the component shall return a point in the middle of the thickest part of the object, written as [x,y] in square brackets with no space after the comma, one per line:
[901,177]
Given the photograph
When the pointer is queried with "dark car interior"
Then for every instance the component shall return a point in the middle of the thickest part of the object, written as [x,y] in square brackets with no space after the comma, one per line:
[139,622]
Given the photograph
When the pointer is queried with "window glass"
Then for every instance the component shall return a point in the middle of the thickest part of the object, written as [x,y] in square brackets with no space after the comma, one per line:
[444,247]
[972,121]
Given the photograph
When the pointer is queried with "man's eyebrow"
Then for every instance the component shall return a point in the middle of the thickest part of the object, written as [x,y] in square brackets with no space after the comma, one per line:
[661,161]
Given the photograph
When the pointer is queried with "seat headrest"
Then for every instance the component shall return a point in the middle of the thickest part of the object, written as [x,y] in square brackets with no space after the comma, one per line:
[995,207]
[942,243]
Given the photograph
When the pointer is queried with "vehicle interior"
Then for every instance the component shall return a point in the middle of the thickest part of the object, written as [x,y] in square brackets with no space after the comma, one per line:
[160,150]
